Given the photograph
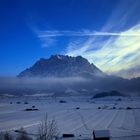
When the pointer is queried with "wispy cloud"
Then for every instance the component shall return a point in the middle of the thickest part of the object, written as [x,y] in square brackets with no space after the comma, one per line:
[115,48]
[54,33]
[124,14]
[49,37]
[114,54]
[47,41]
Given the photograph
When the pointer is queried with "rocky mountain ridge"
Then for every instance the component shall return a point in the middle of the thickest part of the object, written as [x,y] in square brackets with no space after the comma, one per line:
[61,66]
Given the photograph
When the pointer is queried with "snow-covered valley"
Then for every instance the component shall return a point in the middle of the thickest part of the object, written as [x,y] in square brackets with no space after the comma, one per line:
[77,115]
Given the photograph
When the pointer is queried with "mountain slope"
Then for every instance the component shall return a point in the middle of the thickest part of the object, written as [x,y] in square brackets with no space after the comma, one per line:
[61,66]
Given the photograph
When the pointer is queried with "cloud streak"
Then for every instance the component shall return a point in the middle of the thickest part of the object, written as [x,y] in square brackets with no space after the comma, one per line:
[46,34]
[114,54]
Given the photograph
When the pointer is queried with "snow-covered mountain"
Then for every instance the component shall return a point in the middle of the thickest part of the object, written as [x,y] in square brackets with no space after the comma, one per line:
[61,66]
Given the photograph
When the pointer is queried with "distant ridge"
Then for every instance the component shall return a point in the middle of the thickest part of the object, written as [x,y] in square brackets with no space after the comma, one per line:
[61,66]
[106,94]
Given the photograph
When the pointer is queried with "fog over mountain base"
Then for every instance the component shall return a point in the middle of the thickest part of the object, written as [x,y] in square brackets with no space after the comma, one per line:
[64,75]
[67,85]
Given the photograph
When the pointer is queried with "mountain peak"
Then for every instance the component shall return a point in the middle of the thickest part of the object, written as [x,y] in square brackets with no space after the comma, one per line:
[61,66]
[56,56]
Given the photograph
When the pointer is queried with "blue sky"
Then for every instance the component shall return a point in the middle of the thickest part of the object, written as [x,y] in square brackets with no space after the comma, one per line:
[106,32]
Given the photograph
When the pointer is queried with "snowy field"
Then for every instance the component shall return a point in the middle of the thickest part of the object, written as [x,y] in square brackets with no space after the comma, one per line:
[123,124]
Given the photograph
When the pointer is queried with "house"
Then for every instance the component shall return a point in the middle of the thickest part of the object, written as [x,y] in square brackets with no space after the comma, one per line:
[101,135]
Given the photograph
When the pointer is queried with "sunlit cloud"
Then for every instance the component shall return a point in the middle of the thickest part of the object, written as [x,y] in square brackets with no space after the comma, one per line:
[116,47]
[113,55]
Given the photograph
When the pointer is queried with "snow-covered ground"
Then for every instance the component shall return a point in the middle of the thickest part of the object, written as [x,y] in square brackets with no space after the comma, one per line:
[123,124]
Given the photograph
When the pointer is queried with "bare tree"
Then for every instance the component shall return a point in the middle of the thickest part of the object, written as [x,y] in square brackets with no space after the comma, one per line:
[48,129]
[6,136]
